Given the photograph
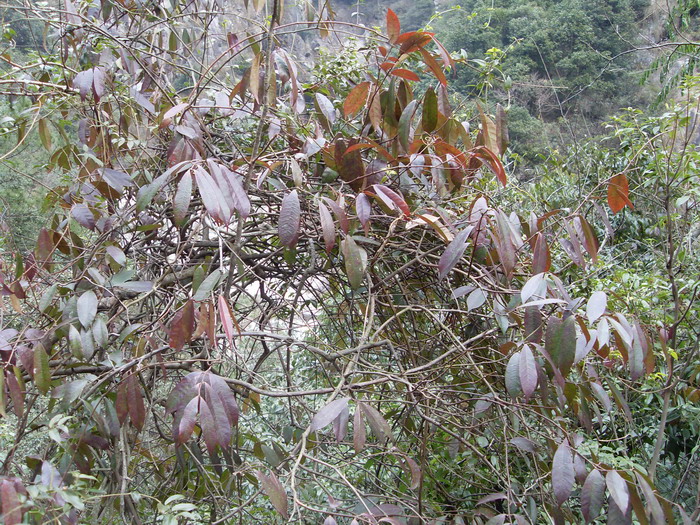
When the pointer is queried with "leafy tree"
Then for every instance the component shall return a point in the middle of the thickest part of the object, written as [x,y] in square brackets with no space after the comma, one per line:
[238,262]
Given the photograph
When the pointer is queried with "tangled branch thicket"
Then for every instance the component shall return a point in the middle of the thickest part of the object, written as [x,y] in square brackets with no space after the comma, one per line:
[239,261]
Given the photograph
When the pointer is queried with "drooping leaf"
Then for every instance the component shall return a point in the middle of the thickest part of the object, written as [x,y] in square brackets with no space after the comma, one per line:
[134,397]
[45,134]
[380,427]
[592,495]
[405,124]
[392,198]
[275,491]
[207,286]
[327,226]
[87,308]
[430,111]
[363,209]
[42,373]
[355,262]
[596,306]
[182,198]
[289,220]
[227,319]
[405,73]
[83,216]
[618,193]
[524,444]
[328,414]
[182,327]
[187,420]
[560,342]
[562,473]
[541,261]
[359,432]
[618,489]
[527,371]
[512,375]
[453,253]
[326,107]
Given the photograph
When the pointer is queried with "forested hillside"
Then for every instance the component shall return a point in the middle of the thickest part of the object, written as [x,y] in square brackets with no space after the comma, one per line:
[349,263]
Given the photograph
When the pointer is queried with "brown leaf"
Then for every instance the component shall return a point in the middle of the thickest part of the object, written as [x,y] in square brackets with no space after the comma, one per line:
[275,491]
[618,193]
[182,327]
[356,99]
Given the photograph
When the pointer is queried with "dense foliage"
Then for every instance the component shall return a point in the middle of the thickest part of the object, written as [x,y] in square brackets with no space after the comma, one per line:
[269,294]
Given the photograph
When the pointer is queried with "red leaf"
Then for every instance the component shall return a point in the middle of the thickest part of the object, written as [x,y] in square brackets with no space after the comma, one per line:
[618,193]
[393,26]
[359,432]
[356,99]
[44,248]
[541,260]
[227,320]
[405,73]
[290,220]
[182,327]
[134,397]
[492,161]
[390,196]
[562,473]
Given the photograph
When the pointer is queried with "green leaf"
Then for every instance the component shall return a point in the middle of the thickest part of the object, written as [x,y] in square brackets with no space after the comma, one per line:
[405,124]
[430,111]
[42,373]
[207,286]
[355,262]
[560,343]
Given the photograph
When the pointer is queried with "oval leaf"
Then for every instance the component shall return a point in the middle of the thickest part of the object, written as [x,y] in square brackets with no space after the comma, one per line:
[290,220]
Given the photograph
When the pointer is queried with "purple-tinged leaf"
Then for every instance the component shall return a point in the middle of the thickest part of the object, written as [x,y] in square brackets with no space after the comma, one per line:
[83,82]
[359,432]
[453,253]
[134,396]
[83,216]
[592,495]
[363,208]
[380,427]
[617,516]
[340,214]
[228,321]
[87,308]
[340,425]
[618,490]
[532,321]
[415,472]
[496,496]
[562,473]
[98,82]
[187,420]
[211,196]
[327,414]
[527,371]
[275,491]
[16,394]
[330,520]
[602,396]
[116,254]
[290,220]
[524,444]
[596,306]
[327,226]
[11,507]
[392,198]
[657,512]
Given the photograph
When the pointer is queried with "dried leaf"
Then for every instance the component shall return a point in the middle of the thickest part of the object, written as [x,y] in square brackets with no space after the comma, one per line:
[618,193]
